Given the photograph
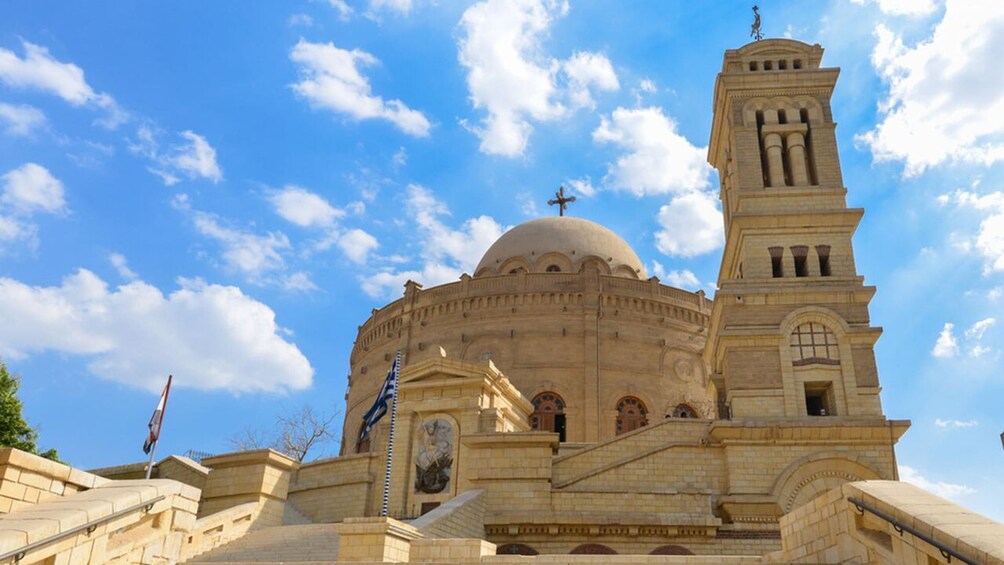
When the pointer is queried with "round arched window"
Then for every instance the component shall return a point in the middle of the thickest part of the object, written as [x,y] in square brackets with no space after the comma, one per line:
[684,411]
[631,415]
[548,414]
[553,269]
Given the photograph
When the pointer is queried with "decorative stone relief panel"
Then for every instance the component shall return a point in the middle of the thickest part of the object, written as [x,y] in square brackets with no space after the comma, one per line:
[434,459]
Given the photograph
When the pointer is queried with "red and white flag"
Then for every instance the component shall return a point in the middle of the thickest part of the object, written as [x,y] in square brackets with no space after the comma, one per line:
[157,419]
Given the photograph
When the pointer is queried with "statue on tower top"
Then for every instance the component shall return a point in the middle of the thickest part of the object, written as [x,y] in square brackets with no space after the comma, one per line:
[755,31]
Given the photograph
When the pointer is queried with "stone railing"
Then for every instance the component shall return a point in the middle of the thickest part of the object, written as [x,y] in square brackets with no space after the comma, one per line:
[901,524]
[26,480]
[217,529]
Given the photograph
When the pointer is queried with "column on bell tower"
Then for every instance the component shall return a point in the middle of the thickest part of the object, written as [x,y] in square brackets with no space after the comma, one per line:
[790,332]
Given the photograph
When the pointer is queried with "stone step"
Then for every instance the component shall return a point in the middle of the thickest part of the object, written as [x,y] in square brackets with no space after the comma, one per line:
[287,544]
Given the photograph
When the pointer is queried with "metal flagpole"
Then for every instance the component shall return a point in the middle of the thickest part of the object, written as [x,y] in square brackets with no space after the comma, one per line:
[390,438]
[149,464]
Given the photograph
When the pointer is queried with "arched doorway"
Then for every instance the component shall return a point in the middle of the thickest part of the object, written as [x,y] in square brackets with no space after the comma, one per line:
[548,414]
[671,550]
[515,549]
[592,549]
[631,415]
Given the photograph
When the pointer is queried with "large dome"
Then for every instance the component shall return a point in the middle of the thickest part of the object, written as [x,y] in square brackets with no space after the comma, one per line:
[563,244]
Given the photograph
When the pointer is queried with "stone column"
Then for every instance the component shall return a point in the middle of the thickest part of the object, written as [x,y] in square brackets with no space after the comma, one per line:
[260,476]
[375,540]
[775,162]
[796,156]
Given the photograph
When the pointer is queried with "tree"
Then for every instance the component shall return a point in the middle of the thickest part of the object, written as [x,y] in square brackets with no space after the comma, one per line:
[295,433]
[14,430]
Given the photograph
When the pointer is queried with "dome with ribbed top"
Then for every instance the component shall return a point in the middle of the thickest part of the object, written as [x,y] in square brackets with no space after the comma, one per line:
[560,244]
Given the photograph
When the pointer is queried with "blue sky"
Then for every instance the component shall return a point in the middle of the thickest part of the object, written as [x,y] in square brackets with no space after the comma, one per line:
[225,193]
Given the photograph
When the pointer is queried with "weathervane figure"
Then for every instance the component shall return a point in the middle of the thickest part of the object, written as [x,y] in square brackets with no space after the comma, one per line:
[755,32]
[561,201]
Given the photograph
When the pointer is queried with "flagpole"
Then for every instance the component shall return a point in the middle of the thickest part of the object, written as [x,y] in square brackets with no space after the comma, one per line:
[149,464]
[390,438]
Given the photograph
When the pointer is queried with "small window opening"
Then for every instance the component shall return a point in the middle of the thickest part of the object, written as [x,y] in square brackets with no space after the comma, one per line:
[782,65]
[776,254]
[818,399]
[767,66]
[763,150]
[752,65]
[553,269]
[796,64]
[824,260]
[782,117]
[429,507]
[801,255]
[740,270]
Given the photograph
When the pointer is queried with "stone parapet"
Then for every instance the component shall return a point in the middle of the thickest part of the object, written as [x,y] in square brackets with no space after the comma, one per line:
[375,540]
[260,476]
[27,479]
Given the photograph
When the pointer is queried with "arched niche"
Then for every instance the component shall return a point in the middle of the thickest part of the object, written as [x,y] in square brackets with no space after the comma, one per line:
[811,476]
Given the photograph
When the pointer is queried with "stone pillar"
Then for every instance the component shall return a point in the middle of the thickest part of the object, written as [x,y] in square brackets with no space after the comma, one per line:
[375,540]
[260,476]
[775,162]
[796,157]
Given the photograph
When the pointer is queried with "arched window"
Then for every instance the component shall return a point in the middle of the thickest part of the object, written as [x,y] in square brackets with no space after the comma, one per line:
[364,445]
[553,269]
[813,342]
[592,549]
[631,415]
[548,414]
[516,549]
[671,550]
[684,411]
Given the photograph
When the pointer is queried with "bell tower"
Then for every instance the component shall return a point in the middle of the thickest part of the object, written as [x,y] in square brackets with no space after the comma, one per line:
[790,333]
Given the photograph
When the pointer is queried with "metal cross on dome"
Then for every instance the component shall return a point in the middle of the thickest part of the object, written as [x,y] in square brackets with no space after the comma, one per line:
[562,201]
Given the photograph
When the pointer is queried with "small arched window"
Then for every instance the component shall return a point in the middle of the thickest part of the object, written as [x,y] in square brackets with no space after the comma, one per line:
[516,549]
[631,415]
[684,411]
[553,269]
[813,342]
[593,549]
[548,414]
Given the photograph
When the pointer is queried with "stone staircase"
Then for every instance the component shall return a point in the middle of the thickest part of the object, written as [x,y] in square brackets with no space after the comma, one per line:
[314,543]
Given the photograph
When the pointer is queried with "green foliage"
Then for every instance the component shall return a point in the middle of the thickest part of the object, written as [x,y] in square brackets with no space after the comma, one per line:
[14,431]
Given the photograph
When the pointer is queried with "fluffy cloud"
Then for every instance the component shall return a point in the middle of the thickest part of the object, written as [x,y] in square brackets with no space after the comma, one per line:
[943,105]
[122,266]
[445,252]
[585,70]
[39,71]
[343,9]
[903,7]
[330,78]
[209,336]
[191,157]
[682,279]
[946,346]
[657,159]
[583,186]
[25,191]
[690,225]
[21,119]
[946,490]
[249,253]
[309,210]
[402,7]
[989,240]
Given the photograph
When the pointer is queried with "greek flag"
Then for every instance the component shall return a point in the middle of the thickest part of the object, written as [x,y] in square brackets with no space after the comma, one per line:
[386,395]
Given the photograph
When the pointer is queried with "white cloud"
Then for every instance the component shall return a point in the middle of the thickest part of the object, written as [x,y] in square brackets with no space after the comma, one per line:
[330,78]
[300,20]
[445,252]
[38,70]
[208,336]
[304,208]
[942,105]
[911,8]
[977,330]
[684,278]
[585,70]
[32,188]
[400,158]
[955,423]
[298,282]
[691,224]
[583,186]
[21,119]
[946,490]
[402,7]
[989,241]
[647,85]
[122,266]
[192,157]
[946,346]
[343,9]
[249,253]
[357,245]
[507,73]
[657,159]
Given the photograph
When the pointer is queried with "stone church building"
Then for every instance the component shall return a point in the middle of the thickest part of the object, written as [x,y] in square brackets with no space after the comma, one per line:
[559,402]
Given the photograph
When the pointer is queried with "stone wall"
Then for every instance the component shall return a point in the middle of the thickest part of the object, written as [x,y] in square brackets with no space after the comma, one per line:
[26,480]
[331,490]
